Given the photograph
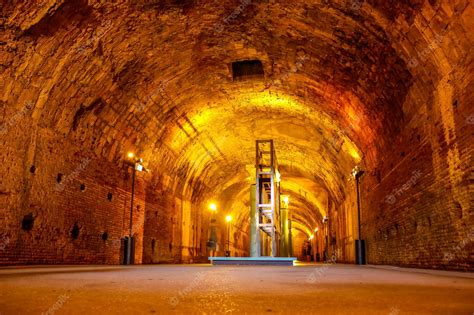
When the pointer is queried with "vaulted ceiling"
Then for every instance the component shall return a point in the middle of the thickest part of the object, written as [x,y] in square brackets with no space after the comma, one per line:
[155,77]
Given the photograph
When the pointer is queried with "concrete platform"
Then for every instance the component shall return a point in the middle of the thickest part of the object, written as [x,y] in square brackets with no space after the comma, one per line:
[253,261]
[205,289]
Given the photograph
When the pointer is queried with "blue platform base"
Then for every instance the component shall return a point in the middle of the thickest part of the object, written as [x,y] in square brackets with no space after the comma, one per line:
[262,261]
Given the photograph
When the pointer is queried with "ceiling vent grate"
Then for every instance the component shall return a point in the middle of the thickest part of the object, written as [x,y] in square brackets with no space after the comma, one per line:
[247,69]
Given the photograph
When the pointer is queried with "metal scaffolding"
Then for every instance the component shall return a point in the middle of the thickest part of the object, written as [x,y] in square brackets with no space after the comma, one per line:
[267,199]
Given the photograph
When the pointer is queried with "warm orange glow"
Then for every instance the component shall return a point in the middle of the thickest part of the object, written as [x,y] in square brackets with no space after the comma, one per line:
[352,150]
[197,121]
[298,226]
[351,113]
[228,218]
[213,207]
[273,100]
[204,118]
[130,155]
[213,130]
[317,196]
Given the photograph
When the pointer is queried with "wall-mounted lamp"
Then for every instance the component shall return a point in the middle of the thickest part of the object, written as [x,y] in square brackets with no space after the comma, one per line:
[357,172]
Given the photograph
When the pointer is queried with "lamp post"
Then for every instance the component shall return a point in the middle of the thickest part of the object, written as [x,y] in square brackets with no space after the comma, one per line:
[212,244]
[213,212]
[228,218]
[357,173]
[284,226]
[129,254]
[309,249]
[326,238]
[315,246]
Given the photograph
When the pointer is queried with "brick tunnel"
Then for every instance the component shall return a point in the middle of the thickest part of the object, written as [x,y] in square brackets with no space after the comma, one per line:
[161,102]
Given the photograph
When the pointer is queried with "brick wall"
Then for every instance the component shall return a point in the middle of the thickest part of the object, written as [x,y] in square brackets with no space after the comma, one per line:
[82,218]
[75,205]
[173,228]
[417,202]
[73,102]
[420,213]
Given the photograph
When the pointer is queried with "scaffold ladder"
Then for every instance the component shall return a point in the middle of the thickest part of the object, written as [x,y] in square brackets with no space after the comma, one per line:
[267,196]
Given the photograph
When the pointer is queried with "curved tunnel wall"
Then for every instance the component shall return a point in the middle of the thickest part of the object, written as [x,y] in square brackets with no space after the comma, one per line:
[345,83]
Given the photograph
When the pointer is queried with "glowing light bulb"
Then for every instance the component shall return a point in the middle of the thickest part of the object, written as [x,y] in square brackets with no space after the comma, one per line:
[228,218]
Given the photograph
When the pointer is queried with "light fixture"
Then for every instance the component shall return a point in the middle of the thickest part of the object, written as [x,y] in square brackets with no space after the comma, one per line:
[316,230]
[212,207]
[228,218]
[136,163]
[139,166]
[311,237]
[357,172]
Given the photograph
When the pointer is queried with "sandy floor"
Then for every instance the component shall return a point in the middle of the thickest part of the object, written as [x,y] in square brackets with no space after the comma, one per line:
[204,289]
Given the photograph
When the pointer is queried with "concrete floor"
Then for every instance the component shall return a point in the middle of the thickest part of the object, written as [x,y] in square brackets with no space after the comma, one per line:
[205,289]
